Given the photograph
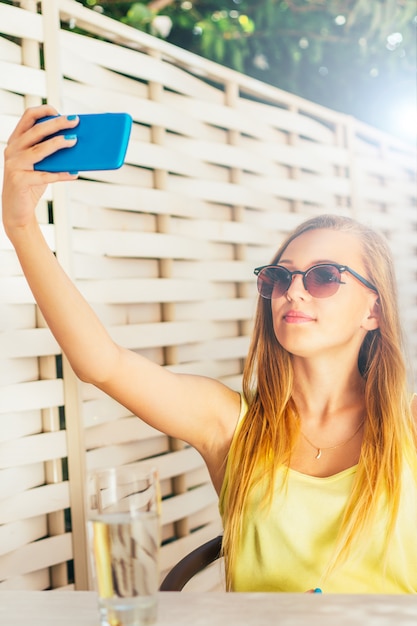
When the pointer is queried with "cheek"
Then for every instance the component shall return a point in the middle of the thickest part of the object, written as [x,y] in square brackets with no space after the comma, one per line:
[277,323]
[276,313]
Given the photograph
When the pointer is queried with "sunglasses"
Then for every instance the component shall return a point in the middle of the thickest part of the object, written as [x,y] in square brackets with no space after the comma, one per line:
[321,281]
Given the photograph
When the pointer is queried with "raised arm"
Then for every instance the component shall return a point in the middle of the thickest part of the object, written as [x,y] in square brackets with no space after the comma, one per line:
[197,409]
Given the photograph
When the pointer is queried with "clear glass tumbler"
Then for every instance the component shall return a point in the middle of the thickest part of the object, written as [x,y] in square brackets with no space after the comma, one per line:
[124,537]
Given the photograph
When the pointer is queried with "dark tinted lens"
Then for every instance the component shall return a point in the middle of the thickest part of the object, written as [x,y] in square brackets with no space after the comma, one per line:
[322,281]
[273,282]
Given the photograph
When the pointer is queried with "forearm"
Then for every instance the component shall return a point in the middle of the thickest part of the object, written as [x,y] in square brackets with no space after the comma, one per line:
[74,324]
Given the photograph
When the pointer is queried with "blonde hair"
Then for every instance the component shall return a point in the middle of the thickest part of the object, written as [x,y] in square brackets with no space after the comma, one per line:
[269,431]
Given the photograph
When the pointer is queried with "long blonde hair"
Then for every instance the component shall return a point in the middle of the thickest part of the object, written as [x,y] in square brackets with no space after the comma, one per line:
[269,431]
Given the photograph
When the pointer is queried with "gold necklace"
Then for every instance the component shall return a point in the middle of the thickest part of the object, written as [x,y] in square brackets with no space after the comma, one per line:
[339,445]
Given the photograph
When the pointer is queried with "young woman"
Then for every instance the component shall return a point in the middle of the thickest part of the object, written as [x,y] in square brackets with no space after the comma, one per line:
[315,462]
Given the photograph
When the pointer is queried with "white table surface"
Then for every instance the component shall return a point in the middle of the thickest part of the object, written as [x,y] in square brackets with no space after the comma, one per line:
[79,608]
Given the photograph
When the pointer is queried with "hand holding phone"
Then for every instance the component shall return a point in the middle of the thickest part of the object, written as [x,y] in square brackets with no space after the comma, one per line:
[102,140]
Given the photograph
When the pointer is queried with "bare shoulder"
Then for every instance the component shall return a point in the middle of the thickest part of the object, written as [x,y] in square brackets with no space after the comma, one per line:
[223,406]
[214,439]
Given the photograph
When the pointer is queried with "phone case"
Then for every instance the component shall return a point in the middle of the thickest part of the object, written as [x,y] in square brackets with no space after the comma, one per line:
[102,140]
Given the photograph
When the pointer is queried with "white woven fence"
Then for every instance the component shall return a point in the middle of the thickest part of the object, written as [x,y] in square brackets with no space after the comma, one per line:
[218,169]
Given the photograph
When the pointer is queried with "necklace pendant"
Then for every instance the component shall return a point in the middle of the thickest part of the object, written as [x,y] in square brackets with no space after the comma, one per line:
[318,455]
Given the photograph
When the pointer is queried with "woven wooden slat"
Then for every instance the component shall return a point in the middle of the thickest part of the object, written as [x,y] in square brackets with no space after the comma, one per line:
[291,121]
[14,480]
[187,503]
[11,52]
[231,347]
[214,369]
[12,76]
[314,191]
[139,65]
[116,431]
[33,581]
[18,534]
[14,290]
[152,290]
[223,193]
[33,449]
[148,112]
[28,342]
[120,244]
[170,333]
[221,116]
[36,555]
[15,425]
[222,154]
[130,198]
[19,23]
[42,500]
[12,371]
[127,453]
[221,309]
[32,395]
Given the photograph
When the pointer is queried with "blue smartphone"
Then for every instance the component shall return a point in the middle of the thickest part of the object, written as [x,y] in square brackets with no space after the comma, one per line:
[102,140]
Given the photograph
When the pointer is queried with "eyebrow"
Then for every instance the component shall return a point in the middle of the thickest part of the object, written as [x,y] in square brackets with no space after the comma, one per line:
[317,262]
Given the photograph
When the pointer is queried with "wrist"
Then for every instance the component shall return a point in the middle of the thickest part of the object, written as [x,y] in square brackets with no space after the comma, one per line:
[16,229]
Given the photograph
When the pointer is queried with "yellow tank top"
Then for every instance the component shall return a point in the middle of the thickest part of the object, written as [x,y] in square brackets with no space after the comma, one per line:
[287,547]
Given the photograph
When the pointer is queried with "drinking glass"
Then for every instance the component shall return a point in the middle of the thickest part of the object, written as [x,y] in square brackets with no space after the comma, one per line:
[124,538]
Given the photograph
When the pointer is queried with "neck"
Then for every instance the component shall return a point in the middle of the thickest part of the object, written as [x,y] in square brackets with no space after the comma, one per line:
[325,390]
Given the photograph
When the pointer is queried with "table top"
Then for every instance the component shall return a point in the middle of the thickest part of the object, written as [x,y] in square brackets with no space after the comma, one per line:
[79,608]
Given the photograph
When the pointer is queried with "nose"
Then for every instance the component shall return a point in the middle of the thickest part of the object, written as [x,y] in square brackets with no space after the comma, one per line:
[296,290]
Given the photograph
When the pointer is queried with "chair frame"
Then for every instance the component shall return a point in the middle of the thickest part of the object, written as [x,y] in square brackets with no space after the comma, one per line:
[194,562]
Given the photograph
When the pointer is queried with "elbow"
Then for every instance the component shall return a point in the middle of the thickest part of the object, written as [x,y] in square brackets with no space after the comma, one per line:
[97,369]
[82,375]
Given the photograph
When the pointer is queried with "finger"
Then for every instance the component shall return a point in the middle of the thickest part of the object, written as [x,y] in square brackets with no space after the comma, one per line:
[56,177]
[44,149]
[17,157]
[28,133]
[24,181]
[39,132]
[30,116]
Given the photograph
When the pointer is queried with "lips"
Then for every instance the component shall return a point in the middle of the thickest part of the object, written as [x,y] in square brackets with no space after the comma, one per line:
[297,317]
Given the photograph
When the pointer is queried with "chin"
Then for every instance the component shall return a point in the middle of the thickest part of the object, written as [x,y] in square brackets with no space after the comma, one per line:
[300,347]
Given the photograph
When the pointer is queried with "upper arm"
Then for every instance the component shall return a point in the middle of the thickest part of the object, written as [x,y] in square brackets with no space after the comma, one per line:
[199,410]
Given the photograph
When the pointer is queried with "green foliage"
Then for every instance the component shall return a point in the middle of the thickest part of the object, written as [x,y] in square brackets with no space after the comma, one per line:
[139,16]
[223,38]
[356,56]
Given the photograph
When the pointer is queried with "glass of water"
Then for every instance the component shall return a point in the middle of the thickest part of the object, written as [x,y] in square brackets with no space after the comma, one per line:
[124,537]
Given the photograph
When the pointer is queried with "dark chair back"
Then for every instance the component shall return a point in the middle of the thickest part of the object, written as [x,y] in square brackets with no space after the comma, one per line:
[191,564]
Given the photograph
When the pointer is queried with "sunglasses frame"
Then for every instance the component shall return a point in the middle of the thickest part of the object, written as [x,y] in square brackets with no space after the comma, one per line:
[340,268]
